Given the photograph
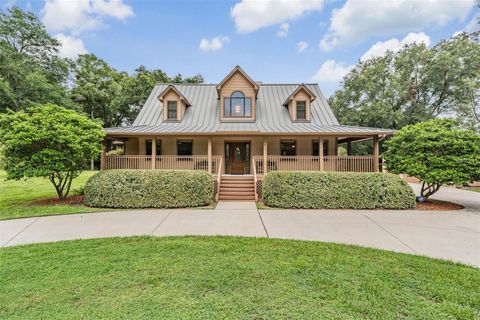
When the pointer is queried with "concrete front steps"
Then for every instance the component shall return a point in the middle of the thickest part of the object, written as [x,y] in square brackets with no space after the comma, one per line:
[239,187]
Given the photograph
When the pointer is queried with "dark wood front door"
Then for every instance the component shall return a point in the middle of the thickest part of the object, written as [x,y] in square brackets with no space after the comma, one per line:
[237,154]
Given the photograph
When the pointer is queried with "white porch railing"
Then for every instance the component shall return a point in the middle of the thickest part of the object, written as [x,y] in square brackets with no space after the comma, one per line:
[163,162]
[128,162]
[312,163]
[274,163]
[350,163]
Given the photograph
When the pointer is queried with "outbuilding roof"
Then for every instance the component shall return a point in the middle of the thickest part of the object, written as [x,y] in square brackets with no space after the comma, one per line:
[203,117]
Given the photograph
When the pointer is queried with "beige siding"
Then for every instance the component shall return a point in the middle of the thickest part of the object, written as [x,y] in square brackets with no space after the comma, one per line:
[131,146]
[238,82]
[200,144]
[171,95]
[301,95]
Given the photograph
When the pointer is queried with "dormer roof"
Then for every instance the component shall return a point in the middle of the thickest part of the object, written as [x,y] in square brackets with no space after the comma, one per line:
[298,89]
[235,70]
[169,88]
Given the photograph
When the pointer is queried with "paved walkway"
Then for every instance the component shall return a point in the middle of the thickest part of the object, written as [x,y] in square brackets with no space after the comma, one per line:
[453,235]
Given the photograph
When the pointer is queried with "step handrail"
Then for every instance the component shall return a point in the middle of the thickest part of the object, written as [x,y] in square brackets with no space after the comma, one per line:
[254,179]
[219,175]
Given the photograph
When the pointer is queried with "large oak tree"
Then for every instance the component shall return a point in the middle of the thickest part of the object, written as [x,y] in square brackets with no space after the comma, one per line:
[414,84]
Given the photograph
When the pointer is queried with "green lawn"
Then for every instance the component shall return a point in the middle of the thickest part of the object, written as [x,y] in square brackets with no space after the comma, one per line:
[229,278]
[15,197]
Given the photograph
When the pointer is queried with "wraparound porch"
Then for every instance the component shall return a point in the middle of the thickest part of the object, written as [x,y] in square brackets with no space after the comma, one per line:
[254,155]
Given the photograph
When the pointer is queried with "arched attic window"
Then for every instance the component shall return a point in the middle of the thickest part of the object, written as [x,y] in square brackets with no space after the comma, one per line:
[237,105]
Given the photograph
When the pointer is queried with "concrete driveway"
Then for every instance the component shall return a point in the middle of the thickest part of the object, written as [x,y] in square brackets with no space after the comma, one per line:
[453,235]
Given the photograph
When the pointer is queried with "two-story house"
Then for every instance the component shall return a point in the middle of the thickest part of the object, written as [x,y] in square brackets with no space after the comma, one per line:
[239,129]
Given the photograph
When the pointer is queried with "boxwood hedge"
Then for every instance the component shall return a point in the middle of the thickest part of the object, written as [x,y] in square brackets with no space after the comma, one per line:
[149,189]
[335,190]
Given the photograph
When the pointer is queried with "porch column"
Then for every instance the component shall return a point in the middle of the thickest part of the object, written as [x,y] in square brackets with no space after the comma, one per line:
[375,153]
[103,155]
[265,151]
[349,147]
[209,151]
[320,154]
[154,152]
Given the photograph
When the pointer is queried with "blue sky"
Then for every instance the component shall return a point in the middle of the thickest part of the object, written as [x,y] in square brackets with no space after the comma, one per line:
[273,40]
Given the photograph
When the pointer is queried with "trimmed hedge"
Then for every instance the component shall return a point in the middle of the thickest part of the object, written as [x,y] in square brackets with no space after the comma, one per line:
[149,189]
[336,190]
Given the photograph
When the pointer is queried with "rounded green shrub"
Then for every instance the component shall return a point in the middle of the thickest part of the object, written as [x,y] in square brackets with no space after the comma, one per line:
[149,189]
[336,190]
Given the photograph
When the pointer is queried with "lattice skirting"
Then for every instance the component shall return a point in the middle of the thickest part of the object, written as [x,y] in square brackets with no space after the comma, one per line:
[259,189]
[215,188]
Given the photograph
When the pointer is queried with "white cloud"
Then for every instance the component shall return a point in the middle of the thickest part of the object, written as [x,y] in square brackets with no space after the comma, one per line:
[473,25]
[251,15]
[80,15]
[71,47]
[301,46]
[380,48]
[213,44]
[283,32]
[331,71]
[358,20]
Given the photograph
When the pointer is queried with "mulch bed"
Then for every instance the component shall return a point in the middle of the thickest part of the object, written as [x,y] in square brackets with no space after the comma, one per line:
[438,205]
[55,201]
[430,205]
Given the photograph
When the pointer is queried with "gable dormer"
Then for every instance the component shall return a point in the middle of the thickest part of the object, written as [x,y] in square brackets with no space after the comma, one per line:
[237,93]
[299,104]
[174,104]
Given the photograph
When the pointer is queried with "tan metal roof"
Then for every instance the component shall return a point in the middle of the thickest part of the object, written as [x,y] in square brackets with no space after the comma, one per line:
[272,117]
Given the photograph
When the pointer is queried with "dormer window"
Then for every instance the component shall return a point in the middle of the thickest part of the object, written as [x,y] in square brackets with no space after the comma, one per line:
[174,103]
[237,105]
[171,110]
[299,104]
[301,110]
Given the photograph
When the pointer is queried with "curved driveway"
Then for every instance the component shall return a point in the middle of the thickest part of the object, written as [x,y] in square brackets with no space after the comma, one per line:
[453,235]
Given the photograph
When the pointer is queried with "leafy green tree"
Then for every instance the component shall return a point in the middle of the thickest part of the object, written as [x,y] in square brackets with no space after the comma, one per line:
[96,85]
[48,141]
[135,90]
[30,72]
[412,85]
[437,152]
[112,96]
[24,32]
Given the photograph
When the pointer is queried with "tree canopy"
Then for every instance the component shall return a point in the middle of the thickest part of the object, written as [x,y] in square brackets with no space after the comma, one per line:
[115,97]
[414,84]
[437,152]
[32,73]
[48,141]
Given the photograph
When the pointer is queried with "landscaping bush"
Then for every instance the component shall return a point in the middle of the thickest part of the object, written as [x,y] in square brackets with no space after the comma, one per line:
[149,189]
[335,190]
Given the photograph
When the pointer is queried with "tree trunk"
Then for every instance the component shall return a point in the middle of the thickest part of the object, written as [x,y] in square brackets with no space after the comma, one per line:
[429,188]
[61,183]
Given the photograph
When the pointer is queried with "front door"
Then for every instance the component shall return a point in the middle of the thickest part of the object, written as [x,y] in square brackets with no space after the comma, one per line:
[237,155]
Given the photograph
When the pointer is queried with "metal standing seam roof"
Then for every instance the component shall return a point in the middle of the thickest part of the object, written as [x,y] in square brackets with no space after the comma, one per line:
[203,116]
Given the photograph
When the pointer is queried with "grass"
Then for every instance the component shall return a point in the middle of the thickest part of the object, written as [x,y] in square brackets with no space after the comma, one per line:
[16,197]
[229,278]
